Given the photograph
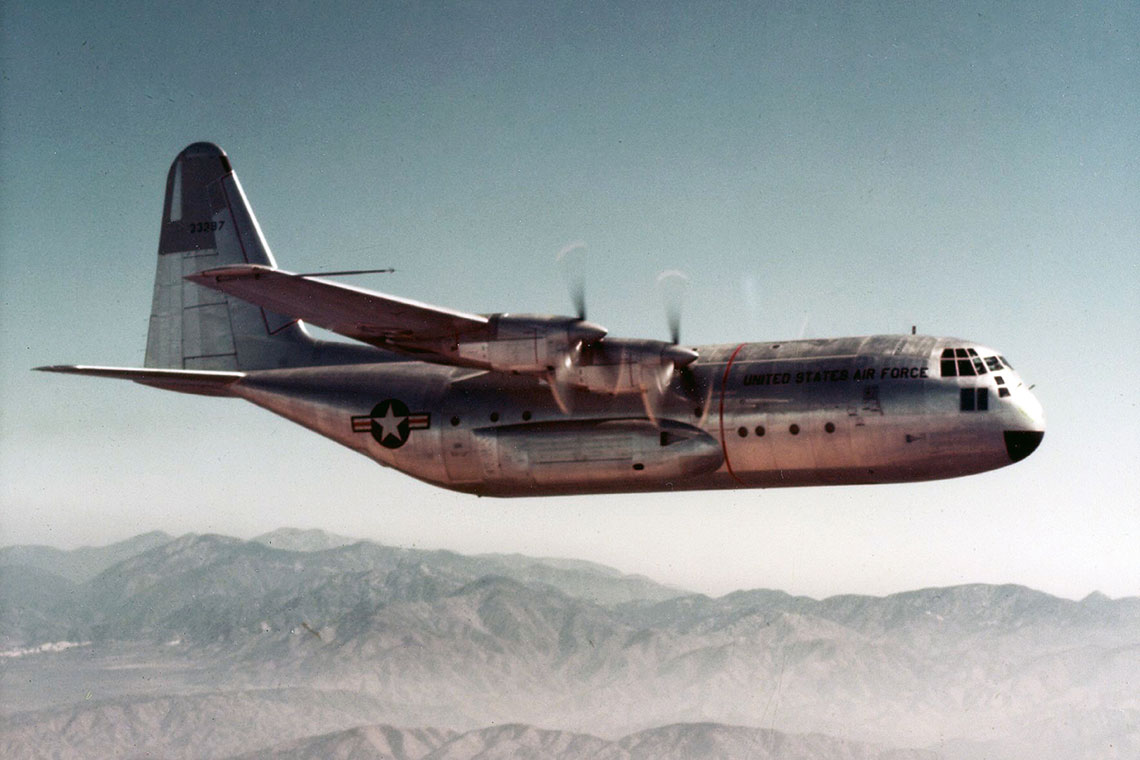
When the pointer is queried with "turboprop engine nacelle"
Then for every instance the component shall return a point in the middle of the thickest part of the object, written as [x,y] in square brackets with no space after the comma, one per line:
[528,344]
[627,365]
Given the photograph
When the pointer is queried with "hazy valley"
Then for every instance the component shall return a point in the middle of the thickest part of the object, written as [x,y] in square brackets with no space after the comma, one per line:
[302,644]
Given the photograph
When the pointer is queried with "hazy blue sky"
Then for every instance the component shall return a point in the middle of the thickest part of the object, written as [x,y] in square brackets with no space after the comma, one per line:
[972,169]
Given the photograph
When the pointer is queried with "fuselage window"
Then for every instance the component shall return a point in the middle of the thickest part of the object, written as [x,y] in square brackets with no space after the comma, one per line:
[759,430]
[742,431]
[974,399]
[1003,392]
[999,379]
[794,429]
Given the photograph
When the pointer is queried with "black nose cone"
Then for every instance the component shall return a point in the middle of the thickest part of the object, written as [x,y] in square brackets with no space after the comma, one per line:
[1022,443]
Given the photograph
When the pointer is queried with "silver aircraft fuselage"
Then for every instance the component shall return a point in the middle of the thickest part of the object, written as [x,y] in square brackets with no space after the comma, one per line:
[877,409]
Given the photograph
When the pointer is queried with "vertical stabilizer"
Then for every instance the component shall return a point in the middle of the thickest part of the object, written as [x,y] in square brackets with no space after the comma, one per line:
[207,223]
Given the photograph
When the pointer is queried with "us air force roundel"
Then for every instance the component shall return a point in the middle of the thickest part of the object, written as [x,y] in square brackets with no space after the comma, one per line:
[390,423]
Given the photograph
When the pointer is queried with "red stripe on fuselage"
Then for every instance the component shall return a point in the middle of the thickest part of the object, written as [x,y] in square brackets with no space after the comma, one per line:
[723,385]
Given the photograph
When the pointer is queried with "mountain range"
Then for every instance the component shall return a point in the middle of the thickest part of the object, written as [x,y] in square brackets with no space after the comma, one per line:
[297,642]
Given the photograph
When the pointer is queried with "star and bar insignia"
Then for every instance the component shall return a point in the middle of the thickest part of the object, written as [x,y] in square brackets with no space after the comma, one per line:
[391,423]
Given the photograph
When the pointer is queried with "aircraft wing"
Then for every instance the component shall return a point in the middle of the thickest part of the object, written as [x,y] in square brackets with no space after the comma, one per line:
[364,315]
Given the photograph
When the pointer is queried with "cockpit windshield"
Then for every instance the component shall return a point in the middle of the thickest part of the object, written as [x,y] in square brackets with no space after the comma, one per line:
[965,362]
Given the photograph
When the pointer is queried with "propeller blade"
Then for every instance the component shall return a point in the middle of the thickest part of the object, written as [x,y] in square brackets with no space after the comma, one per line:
[560,391]
[700,397]
[572,258]
[655,380]
[672,284]
[691,387]
[560,379]
[650,399]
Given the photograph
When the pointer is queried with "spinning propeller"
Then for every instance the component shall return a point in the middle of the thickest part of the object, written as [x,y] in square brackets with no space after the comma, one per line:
[620,365]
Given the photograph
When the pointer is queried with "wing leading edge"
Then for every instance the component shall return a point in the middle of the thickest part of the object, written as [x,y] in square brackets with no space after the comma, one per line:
[375,318]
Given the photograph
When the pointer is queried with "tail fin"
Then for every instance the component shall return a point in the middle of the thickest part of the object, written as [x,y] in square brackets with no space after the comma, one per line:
[207,223]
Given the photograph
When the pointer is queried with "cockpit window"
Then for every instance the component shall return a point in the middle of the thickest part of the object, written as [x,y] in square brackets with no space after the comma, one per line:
[1006,362]
[949,369]
[965,362]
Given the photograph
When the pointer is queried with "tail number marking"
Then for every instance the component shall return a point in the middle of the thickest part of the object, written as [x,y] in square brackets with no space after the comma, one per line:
[196,227]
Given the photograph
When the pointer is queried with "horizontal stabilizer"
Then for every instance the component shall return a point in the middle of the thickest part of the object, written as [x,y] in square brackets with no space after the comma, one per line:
[203,383]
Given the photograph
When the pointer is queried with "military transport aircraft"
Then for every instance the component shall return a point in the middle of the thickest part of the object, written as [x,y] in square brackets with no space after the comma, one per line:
[524,405]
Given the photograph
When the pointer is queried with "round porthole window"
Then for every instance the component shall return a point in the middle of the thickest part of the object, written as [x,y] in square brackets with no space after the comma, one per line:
[794,429]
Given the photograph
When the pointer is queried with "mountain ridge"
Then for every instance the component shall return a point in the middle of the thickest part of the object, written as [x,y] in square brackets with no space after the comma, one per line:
[456,643]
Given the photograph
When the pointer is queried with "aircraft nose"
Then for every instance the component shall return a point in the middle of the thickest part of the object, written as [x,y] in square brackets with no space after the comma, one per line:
[1022,443]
